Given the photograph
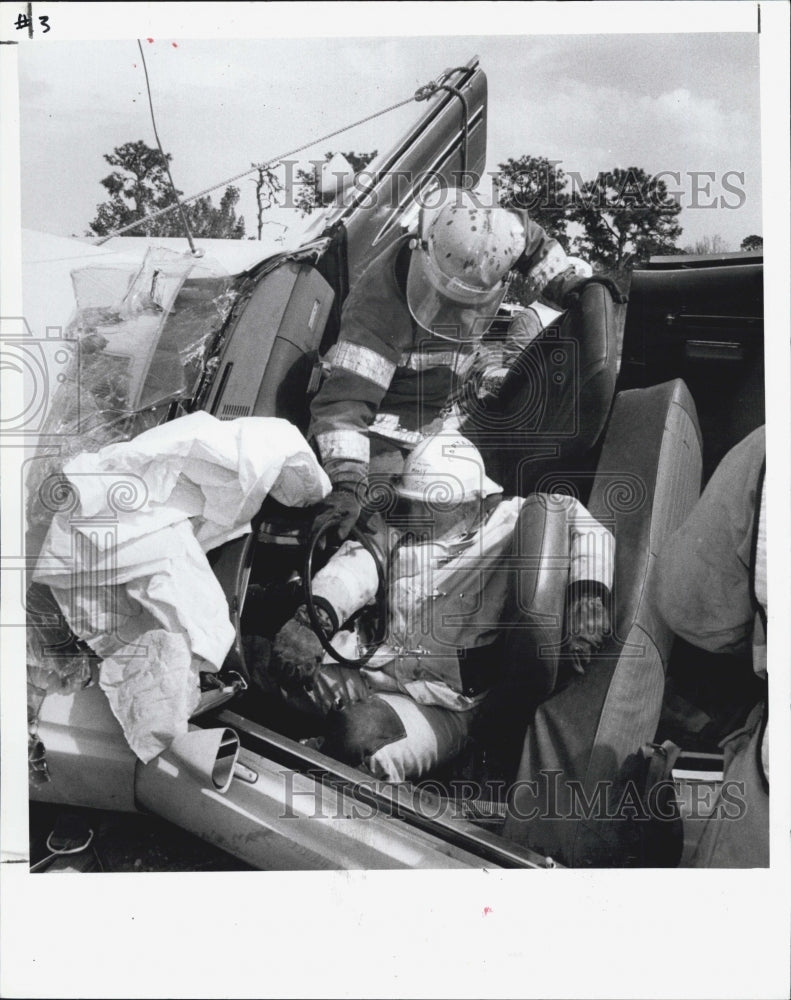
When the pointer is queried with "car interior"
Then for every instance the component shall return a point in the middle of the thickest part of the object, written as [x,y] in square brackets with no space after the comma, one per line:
[634,456]
[628,408]
[602,405]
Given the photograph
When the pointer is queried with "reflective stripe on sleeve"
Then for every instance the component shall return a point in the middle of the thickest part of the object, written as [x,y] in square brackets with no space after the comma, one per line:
[348,444]
[364,362]
[421,361]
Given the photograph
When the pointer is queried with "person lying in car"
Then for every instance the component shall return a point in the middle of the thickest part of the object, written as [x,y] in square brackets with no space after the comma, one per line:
[448,535]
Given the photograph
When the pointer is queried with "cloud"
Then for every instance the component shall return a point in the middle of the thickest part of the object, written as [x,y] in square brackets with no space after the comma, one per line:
[674,130]
[591,128]
[221,105]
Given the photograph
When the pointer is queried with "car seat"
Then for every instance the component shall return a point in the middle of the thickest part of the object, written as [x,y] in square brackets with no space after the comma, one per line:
[589,732]
[554,403]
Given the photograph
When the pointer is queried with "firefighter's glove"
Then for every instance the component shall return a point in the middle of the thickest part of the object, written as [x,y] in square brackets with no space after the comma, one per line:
[297,652]
[338,513]
[572,295]
[588,621]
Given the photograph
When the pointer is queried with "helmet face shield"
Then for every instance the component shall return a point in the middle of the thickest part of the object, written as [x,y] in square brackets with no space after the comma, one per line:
[447,307]
[460,266]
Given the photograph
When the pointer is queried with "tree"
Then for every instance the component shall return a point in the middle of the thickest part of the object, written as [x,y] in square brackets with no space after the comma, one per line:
[208,222]
[267,186]
[708,245]
[626,216]
[752,243]
[536,184]
[139,186]
[308,198]
[358,161]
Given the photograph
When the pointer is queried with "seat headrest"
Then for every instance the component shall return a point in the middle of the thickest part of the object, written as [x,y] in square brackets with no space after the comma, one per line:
[554,403]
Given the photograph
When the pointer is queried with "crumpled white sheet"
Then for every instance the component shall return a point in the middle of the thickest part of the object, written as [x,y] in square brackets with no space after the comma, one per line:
[127,564]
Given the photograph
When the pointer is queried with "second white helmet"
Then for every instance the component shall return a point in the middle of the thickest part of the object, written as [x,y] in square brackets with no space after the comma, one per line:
[445,470]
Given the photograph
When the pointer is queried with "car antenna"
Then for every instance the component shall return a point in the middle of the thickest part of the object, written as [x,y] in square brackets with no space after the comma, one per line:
[182,212]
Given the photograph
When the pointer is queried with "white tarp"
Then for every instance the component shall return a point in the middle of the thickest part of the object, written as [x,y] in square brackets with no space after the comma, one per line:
[127,565]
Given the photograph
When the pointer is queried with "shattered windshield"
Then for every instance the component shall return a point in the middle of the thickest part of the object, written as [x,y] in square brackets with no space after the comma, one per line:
[142,335]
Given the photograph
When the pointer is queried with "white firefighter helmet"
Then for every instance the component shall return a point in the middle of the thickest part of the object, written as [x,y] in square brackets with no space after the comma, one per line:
[460,264]
[445,470]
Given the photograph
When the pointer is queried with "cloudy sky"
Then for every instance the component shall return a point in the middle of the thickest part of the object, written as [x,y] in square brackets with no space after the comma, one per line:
[683,103]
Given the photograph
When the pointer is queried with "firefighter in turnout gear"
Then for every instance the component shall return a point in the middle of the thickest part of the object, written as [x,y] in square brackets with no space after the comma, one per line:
[410,337]
[409,709]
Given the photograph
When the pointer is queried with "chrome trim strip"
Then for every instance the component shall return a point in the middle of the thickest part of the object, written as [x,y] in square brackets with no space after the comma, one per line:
[403,801]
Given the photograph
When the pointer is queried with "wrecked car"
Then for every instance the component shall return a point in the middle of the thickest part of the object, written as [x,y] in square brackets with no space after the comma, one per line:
[631,408]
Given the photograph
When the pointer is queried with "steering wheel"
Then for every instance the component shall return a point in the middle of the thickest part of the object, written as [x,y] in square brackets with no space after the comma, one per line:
[381,606]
